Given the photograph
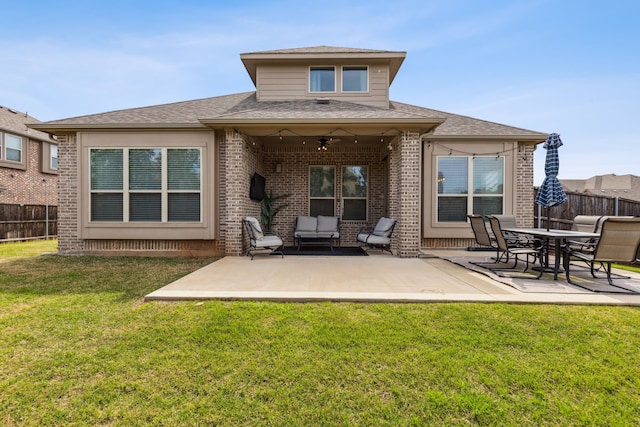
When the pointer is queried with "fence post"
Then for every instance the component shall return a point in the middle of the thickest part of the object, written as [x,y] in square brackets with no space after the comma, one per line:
[46,222]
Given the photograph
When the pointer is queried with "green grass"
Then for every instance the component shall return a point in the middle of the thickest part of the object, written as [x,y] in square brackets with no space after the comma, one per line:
[79,347]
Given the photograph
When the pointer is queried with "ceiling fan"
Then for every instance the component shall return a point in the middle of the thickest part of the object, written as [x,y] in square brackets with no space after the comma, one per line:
[323,143]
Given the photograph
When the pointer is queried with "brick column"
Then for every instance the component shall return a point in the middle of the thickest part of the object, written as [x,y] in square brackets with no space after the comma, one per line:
[68,218]
[237,184]
[524,185]
[408,227]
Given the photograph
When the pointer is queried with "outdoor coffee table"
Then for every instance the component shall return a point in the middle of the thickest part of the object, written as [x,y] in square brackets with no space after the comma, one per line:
[312,239]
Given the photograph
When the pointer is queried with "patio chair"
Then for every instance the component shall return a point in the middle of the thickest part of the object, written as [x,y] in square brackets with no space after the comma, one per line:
[536,251]
[589,224]
[258,241]
[619,242]
[484,240]
[380,236]
[513,239]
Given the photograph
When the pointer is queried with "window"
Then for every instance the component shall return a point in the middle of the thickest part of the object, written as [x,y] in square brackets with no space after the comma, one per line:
[354,193]
[54,157]
[355,79]
[150,184]
[321,190]
[322,79]
[12,151]
[49,157]
[13,147]
[456,175]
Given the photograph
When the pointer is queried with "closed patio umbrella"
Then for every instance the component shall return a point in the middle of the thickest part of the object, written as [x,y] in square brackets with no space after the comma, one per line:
[551,192]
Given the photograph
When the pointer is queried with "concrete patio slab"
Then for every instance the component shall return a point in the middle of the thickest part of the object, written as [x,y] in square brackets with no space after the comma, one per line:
[376,278]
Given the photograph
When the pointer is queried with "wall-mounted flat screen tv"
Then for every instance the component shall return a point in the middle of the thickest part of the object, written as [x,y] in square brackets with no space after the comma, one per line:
[256,191]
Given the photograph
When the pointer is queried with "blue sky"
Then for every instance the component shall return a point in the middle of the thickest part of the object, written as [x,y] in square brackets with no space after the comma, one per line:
[565,66]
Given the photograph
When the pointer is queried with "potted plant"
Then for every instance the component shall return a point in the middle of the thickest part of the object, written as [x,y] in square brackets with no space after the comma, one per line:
[269,208]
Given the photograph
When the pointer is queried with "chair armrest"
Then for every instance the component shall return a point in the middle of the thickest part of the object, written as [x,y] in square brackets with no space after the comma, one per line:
[588,246]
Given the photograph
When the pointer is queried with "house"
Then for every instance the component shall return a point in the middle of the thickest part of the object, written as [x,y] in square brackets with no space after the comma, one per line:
[28,161]
[175,178]
[611,185]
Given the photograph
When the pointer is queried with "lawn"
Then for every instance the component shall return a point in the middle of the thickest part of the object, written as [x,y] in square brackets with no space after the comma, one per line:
[80,347]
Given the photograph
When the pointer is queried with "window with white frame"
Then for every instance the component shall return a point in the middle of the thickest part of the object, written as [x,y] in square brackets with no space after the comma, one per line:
[322,190]
[53,153]
[355,79]
[322,79]
[469,185]
[11,148]
[145,184]
[354,193]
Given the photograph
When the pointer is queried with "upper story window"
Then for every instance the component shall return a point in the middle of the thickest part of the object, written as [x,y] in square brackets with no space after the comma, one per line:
[53,157]
[12,151]
[355,79]
[49,159]
[322,79]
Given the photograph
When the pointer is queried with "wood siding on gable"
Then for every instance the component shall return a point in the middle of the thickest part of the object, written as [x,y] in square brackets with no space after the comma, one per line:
[281,82]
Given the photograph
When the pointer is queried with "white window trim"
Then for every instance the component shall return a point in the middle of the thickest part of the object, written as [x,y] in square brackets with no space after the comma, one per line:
[469,194]
[22,163]
[335,79]
[342,79]
[164,187]
[46,160]
[52,148]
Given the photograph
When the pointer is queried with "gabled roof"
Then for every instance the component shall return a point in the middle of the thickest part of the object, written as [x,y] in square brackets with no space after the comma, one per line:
[245,109]
[15,122]
[394,58]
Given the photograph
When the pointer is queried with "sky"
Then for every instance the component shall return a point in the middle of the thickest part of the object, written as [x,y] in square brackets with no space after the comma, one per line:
[566,66]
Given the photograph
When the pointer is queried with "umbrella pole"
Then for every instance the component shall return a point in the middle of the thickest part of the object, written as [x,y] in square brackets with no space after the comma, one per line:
[548,217]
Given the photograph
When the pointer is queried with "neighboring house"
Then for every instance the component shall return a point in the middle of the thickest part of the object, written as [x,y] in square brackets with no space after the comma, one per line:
[28,161]
[320,127]
[612,185]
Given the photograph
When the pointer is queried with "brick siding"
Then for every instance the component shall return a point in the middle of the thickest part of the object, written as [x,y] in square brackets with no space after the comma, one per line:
[29,186]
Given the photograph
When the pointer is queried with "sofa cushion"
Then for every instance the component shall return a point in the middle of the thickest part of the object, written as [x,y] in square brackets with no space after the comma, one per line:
[327,223]
[306,223]
[384,227]
[255,227]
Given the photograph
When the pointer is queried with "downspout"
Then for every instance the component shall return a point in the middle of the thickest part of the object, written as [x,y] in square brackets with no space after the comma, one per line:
[420,192]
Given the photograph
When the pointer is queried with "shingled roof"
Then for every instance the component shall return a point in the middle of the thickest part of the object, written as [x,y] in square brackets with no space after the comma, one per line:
[15,122]
[245,107]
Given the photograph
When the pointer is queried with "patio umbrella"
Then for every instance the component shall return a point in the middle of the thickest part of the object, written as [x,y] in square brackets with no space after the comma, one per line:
[550,192]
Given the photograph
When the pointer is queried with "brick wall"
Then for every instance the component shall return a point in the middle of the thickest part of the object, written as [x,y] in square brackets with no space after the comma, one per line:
[524,185]
[29,186]
[68,240]
[409,195]
[294,181]
[242,157]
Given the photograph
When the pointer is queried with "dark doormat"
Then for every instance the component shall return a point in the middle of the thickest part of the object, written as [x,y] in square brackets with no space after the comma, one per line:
[325,250]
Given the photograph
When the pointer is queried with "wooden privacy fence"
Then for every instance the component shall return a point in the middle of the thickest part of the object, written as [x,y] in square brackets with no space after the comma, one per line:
[584,204]
[26,222]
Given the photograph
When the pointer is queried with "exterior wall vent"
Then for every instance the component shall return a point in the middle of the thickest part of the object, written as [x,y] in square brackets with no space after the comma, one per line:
[322,100]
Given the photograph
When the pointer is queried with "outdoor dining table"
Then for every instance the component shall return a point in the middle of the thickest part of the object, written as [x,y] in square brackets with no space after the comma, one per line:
[559,237]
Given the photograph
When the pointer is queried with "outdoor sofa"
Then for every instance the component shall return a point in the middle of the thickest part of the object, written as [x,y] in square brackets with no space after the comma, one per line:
[316,230]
